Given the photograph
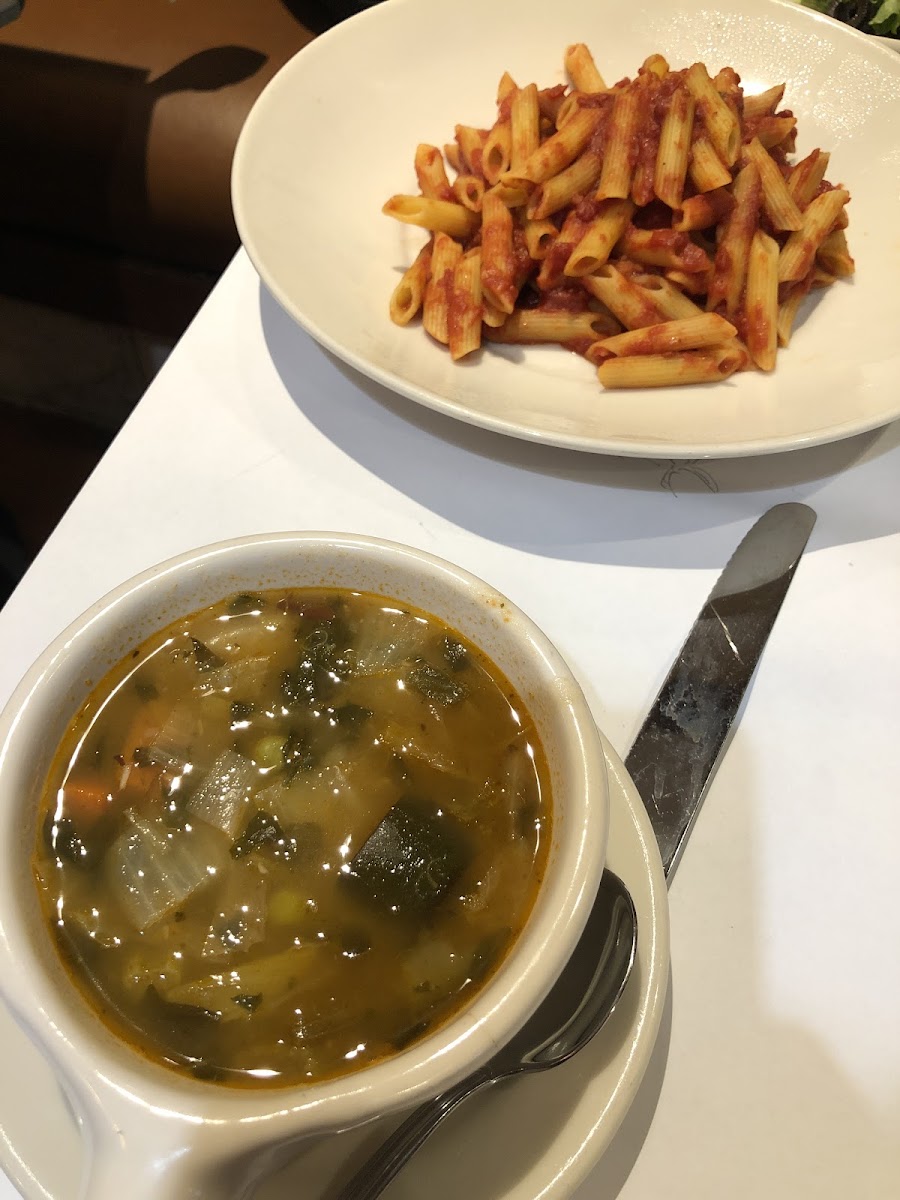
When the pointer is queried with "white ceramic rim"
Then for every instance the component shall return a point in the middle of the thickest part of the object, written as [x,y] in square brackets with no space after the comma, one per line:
[402,1080]
[808,433]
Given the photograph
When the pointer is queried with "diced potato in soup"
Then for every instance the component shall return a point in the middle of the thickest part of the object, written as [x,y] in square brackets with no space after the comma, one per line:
[291,834]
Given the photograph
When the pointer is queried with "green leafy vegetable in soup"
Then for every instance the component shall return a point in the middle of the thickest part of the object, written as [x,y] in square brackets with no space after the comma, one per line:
[292,834]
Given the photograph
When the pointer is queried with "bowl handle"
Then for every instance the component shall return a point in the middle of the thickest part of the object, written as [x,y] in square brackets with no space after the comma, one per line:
[166,1163]
[142,1152]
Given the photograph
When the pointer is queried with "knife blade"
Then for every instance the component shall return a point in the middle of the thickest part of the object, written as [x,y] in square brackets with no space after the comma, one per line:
[681,742]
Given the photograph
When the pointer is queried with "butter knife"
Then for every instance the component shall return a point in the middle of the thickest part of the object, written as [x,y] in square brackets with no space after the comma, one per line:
[674,756]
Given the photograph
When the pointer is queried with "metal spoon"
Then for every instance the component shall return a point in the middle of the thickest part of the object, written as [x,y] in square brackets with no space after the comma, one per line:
[597,971]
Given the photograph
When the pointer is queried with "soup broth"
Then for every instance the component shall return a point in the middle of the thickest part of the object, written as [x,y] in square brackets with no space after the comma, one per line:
[292,834]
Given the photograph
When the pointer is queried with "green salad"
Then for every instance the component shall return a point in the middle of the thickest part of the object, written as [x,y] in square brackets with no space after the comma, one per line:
[871,16]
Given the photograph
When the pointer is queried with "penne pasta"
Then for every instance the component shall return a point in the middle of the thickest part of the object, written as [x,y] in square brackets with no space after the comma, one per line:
[440,216]
[573,230]
[464,318]
[689,333]
[619,158]
[730,267]
[728,85]
[601,235]
[695,282]
[804,179]
[706,169]
[799,251]
[549,101]
[468,190]
[525,128]
[670,370]
[539,237]
[577,179]
[568,108]
[703,210]
[471,147]
[491,316]
[538,325]
[788,309]
[773,131]
[738,347]
[721,123]
[562,148]
[505,87]
[582,70]
[408,296]
[647,148]
[833,256]
[431,174]
[674,148]
[452,155]
[512,197]
[445,255]
[498,262]
[761,303]
[763,104]
[653,227]
[778,202]
[667,248]
[631,305]
[495,156]
[655,65]
[669,299]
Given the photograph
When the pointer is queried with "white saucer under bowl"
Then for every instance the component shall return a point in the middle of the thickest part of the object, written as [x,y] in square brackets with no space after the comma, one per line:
[536,1136]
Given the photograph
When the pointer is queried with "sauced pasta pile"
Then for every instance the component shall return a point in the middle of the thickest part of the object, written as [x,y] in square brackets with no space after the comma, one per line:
[656,226]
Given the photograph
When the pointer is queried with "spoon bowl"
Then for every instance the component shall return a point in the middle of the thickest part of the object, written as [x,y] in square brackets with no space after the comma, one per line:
[597,972]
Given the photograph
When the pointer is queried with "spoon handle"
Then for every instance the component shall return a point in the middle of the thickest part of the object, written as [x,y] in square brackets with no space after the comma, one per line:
[378,1171]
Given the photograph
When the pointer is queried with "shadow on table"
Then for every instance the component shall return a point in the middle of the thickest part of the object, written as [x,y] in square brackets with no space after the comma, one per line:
[488,483]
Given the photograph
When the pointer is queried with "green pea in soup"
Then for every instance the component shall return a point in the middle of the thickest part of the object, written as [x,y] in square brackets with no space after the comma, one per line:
[292,834]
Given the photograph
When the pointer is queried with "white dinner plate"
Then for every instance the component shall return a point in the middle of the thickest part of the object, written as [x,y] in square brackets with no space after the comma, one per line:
[334,133]
[534,1136]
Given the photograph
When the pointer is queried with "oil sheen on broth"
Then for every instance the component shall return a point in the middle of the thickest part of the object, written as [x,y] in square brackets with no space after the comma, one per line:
[291,834]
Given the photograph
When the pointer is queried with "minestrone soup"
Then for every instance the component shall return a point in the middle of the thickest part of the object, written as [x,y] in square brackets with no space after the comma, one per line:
[292,834]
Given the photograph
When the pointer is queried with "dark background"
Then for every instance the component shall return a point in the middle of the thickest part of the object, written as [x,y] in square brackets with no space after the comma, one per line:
[118,121]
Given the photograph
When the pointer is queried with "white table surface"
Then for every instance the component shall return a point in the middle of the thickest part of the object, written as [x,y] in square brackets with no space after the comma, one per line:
[777,1072]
